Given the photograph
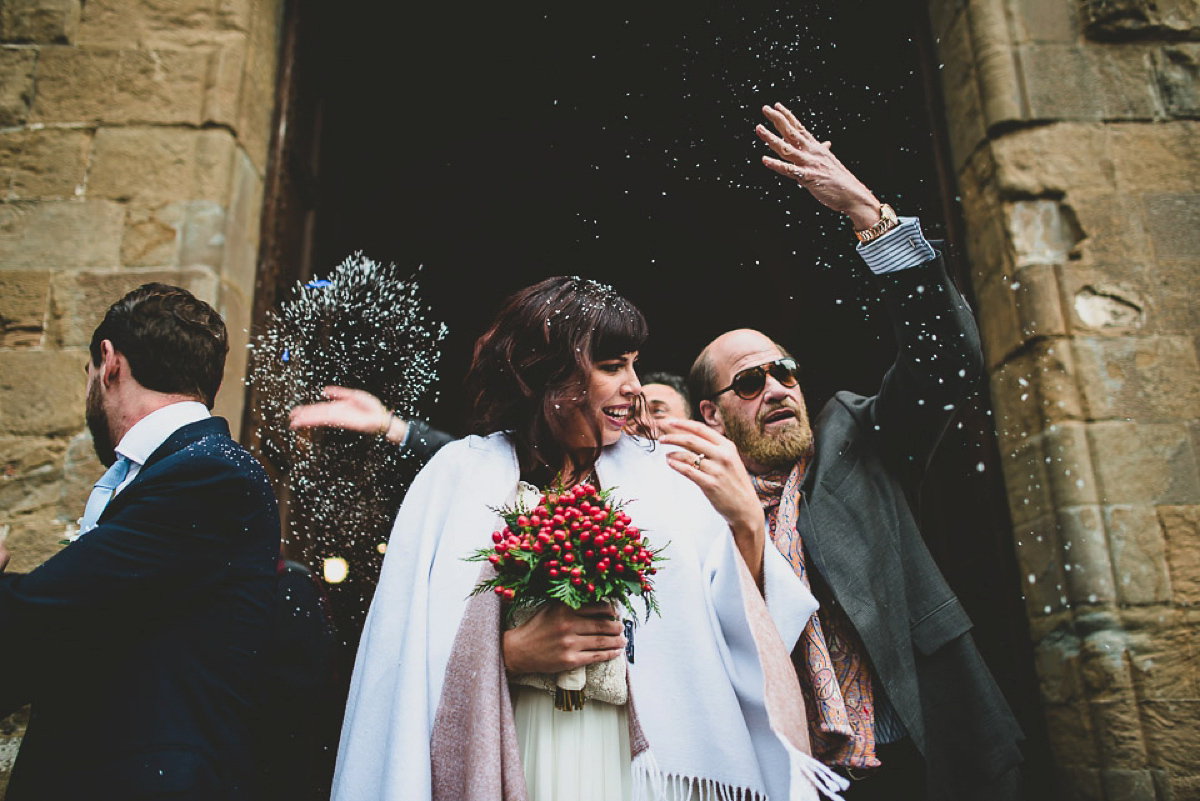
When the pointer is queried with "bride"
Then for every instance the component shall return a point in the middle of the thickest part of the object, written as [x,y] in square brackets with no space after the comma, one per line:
[440,706]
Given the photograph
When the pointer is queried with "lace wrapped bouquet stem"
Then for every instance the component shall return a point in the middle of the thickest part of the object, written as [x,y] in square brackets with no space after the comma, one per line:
[575,546]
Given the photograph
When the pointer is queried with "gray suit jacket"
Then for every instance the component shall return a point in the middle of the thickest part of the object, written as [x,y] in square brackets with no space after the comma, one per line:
[862,537]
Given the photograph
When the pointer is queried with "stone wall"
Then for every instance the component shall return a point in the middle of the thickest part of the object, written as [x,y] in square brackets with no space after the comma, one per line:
[133,144]
[1075,131]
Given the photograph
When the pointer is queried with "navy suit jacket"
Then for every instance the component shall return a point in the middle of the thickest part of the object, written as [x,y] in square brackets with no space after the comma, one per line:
[141,645]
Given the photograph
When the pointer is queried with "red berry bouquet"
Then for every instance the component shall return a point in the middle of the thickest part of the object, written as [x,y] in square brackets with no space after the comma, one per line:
[576,546]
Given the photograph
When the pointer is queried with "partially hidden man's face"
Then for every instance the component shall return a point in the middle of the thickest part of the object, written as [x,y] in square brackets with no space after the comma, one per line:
[664,403]
[97,418]
[771,430]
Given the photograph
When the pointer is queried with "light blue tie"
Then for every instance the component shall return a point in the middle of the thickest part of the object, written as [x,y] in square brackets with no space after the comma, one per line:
[102,493]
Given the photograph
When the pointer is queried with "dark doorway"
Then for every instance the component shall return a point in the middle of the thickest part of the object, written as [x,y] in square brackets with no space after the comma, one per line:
[493,145]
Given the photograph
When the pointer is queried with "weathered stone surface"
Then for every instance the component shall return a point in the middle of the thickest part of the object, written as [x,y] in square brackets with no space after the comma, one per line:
[1172,221]
[1042,231]
[1039,557]
[1054,159]
[62,234]
[11,729]
[126,23]
[152,236]
[1155,158]
[1181,532]
[1163,653]
[1077,784]
[1085,550]
[227,69]
[39,21]
[1114,232]
[16,85]
[203,239]
[1056,658]
[1138,554]
[1110,308]
[1176,72]
[41,392]
[30,470]
[258,87]
[960,87]
[1035,389]
[33,540]
[80,299]
[1172,731]
[51,164]
[1127,785]
[235,308]
[1138,378]
[1041,21]
[93,85]
[243,226]
[24,299]
[1142,463]
[1119,733]
[1074,740]
[154,165]
[1108,20]
[1067,82]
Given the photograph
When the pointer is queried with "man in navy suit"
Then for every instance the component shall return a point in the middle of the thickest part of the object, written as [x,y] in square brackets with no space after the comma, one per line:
[141,644]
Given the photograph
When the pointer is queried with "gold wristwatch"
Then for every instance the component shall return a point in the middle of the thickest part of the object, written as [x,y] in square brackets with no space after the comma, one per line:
[887,221]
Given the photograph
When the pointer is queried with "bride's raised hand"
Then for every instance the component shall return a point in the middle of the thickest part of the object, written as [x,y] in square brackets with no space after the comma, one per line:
[559,638]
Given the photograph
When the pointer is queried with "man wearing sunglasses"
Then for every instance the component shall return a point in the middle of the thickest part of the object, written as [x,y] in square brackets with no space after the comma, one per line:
[899,699]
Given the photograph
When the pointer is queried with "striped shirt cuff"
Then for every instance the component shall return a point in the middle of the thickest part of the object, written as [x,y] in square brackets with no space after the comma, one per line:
[900,248]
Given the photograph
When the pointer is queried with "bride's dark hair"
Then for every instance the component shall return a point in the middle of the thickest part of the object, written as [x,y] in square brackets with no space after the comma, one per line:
[531,368]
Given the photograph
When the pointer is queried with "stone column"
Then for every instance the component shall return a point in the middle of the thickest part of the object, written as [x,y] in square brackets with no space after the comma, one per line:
[1076,146]
[133,145]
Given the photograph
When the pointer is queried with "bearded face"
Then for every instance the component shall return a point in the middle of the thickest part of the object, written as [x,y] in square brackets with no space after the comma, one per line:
[774,436]
[97,423]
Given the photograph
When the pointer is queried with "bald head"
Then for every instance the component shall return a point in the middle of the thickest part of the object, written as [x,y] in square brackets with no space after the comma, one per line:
[707,375]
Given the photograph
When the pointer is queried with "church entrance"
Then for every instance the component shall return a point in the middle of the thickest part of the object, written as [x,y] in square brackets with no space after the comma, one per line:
[493,146]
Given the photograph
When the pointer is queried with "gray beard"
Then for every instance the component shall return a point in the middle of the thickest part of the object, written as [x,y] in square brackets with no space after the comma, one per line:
[773,451]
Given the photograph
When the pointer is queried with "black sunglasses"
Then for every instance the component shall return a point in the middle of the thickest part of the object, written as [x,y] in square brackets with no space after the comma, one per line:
[748,383]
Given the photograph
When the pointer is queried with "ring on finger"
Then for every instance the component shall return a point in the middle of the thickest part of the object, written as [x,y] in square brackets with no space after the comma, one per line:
[699,459]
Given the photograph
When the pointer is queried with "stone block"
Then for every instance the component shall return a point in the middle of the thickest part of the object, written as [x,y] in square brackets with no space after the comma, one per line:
[1041,21]
[1139,556]
[1035,389]
[1085,551]
[1153,378]
[1172,731]
[1181,533]
[1114,231]
[16,85]
[257,97]
[1077,784]
[1068,82]
[1068,465]
[1072,735]
[1099,306]
[1025,480]
[152,166]
[1175,308]
[960,89]
[1144,464]
[243,226]
[1127,785]
[1163,157]
[1054,159]
[72,235]
[1056,660]
[39,21]
[123,86]
[30,471]
[1164,654]
[1119,733]
[236,308]
[51,164]
[1177,76]
[1116,20]
[227,69]
[32,540]
[79,300]
[24,300]
[177,23]
[1042,231]
[41,392]
[1171,222]
[152,236]
[202,242]
[1039,557]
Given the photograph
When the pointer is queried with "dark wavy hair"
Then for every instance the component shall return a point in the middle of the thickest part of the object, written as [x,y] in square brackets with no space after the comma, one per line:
[531,369]
[174,342]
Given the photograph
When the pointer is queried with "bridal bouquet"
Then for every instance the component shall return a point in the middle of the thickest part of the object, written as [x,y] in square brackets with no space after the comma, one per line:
[576,546]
